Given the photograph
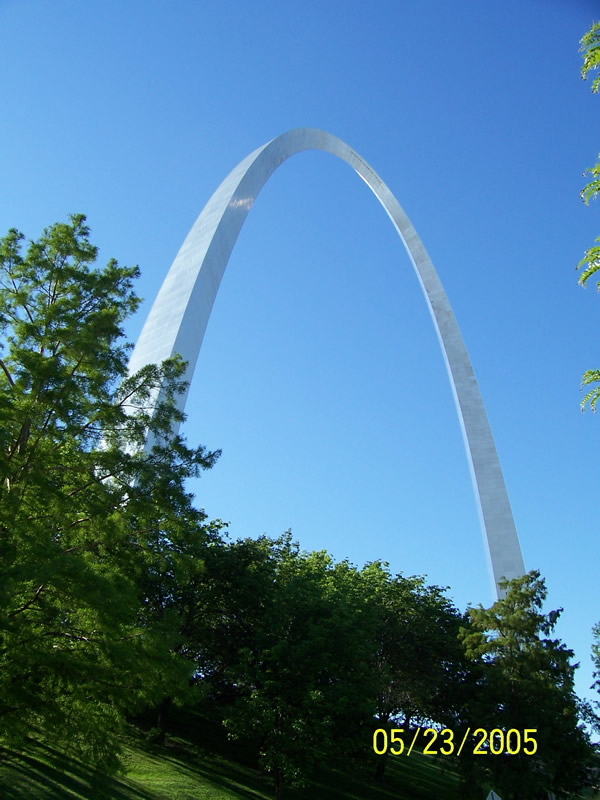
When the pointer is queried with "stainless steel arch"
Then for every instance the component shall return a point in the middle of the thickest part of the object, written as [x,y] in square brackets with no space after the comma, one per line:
[178,318]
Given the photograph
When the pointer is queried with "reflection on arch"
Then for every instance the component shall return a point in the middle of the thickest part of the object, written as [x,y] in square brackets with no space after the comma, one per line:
[180,313]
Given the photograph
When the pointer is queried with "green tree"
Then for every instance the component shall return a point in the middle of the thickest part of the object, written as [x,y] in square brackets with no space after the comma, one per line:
[526,683]
[89,523]
[417,661]
[590,263]
[416,645]
[281,652]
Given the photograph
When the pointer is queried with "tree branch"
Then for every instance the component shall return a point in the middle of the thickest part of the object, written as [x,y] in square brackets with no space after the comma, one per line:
[29,603]
[6,372]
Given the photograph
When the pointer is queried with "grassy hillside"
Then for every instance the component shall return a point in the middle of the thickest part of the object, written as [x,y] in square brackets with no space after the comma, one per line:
[187,768]
[195,766]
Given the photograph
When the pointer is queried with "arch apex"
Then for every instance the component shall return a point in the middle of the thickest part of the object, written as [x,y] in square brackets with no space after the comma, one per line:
[178,319]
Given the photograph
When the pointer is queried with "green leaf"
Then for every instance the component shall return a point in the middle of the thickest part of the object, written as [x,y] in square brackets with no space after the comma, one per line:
[592,376]
[590,47]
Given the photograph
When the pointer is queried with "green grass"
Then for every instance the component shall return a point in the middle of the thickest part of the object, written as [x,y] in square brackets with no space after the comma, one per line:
[153,773]
[193,767]
[196,766]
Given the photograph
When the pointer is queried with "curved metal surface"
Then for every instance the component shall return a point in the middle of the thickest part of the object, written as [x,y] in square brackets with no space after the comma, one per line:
[179,316]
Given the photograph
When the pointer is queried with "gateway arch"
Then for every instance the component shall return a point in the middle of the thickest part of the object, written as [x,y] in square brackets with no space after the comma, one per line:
[178,319]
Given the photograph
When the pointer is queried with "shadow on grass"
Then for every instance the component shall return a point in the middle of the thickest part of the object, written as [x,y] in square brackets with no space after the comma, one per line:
[45,772]
[420,779]
[415,780]
[198,745]
[212,768]
[207,766]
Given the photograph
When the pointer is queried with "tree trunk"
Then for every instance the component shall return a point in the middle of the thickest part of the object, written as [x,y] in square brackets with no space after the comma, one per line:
[277,783]
[163,714]
[380,768]
[382,720]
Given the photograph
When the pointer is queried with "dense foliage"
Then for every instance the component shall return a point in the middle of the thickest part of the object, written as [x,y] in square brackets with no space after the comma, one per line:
[85,518]
[118,595]
[526,682]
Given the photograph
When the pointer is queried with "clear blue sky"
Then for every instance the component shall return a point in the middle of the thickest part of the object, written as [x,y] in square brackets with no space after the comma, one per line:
[321,377]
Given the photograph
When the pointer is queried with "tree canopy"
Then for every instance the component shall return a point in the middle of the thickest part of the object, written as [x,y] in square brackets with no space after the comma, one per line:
[85,516]
[525,682]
